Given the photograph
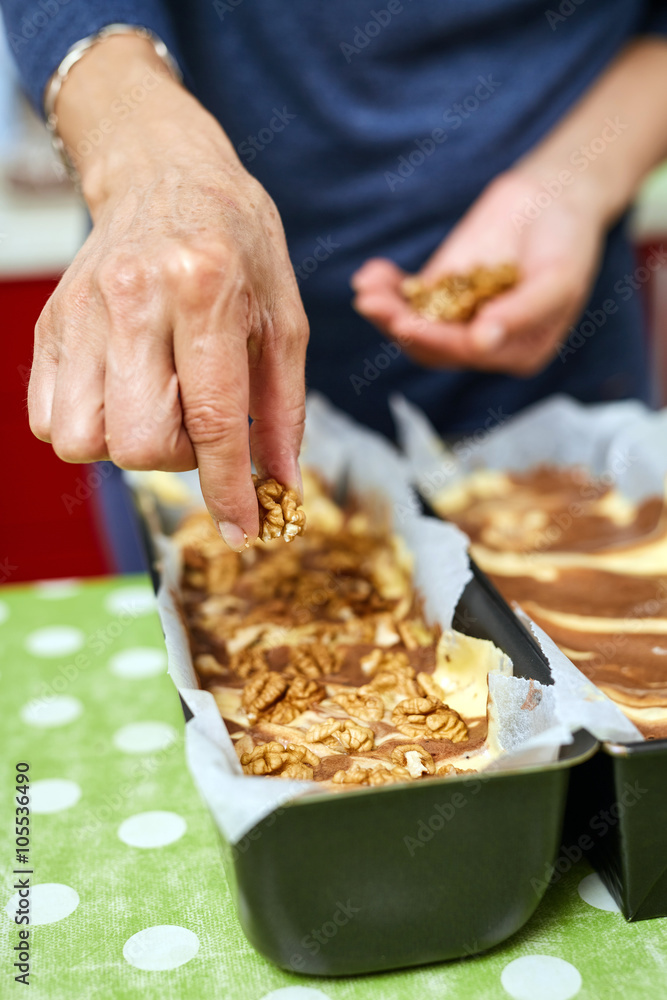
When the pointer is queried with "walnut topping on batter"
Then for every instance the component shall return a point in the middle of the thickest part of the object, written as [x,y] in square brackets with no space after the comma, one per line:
[280,515]
[292,761]
[317,654]
[457,297]
[337,733]
[429,718]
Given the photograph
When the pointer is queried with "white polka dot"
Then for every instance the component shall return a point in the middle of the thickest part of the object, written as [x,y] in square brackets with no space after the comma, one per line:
[135,600]
[49,901]
[56,590]
[50,795]
[144,737]
[540,976]
[4,611]
[152,829]
[140,661]
[54,640]
[295,993]
[165,946]
[593,891]
[57,710]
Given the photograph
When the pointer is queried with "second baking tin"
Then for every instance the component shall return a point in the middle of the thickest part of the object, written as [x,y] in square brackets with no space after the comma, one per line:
[617,816]
[617,806]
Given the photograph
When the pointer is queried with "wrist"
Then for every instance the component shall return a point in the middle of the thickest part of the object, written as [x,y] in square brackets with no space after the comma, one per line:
[574,184]
[123,117]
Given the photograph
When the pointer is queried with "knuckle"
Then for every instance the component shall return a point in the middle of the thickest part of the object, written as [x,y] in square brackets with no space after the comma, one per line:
[78,447]
[39,425]
[208,423]
[197,272]
[123,276]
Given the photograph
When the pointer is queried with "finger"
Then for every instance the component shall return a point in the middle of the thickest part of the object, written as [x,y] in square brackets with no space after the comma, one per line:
[77,422]
[42,383]
[143,416]
[539,302]
[428,342]
[211,355]
[277,396]
[142,411]
[377,273]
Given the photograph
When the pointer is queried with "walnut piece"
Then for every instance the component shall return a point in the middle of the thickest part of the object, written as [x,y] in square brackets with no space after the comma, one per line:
[248,661]
[357,774]
[274,698]
[313,661]
[368,707]
[335,733]
[391,672]
[417,760]
[292,761]
[261,692]
[429,718]
[280,515]
[457,297]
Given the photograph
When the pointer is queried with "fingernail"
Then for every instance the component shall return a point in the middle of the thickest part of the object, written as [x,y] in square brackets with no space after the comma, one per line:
[488,336]
[233,536]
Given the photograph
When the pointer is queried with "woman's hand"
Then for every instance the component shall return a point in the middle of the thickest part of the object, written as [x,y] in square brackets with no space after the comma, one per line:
[518,332]
[558,247]
[180,316]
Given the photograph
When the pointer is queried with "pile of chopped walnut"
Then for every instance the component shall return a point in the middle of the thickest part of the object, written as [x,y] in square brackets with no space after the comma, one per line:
[318,656]
[455,298]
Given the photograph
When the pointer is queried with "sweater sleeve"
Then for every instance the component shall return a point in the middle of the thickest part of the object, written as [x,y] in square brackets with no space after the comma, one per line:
[40,32]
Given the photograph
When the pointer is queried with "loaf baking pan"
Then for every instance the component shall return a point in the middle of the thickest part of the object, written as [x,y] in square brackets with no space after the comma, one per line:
[402,875]
[617,805]
[617,817]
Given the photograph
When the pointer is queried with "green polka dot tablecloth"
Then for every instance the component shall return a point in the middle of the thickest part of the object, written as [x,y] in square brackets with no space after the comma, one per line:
[128,896]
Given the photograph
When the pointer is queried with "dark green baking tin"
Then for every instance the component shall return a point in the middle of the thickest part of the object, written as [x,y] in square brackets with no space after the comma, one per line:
[382,878]
[373,879]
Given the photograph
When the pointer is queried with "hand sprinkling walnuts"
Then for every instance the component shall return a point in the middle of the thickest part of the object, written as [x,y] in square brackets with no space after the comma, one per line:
[280,515]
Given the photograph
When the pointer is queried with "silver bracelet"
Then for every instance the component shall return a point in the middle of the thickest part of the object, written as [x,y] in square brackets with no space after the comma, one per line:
[74,53]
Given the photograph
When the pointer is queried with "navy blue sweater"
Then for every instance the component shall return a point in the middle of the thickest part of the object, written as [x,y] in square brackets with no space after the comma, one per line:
[331,106]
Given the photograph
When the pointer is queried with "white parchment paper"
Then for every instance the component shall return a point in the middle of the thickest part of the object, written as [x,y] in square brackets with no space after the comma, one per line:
[368,466]
[623,443]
